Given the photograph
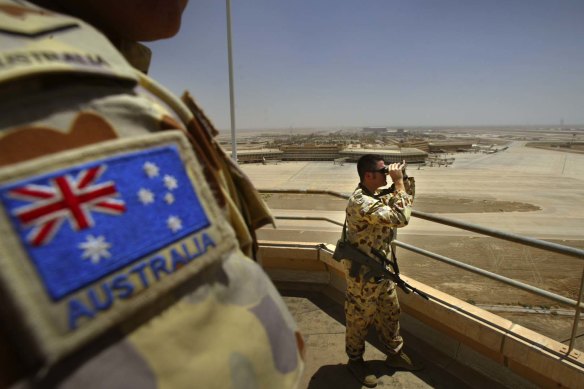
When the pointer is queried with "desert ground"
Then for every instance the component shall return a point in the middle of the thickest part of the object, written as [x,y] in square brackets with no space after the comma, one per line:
[526,191]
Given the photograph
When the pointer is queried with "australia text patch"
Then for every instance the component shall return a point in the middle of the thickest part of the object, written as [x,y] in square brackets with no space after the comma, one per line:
[82,223]
[92,238]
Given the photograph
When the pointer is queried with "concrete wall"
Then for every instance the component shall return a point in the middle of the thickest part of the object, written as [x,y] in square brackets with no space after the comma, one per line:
[506,352]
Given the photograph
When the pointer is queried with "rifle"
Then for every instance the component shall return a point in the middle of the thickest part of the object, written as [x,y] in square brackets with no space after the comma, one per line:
[345,250]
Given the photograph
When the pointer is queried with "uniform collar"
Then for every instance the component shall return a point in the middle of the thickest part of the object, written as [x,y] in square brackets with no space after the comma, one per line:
[137,54]
[365,190]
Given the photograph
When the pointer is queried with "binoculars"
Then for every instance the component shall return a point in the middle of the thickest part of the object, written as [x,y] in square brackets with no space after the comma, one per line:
[385,170]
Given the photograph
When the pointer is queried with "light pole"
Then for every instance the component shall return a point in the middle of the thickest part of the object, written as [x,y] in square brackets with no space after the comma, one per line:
[231,92]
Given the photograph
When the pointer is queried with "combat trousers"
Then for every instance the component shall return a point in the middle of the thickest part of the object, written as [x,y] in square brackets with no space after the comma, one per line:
[367,303]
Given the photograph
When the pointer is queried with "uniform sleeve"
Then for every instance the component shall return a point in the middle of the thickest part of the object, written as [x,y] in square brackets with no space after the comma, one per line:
[393,210]
[410,185]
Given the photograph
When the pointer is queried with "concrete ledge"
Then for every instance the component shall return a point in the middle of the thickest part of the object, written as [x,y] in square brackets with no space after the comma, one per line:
[490,344]
[533,354]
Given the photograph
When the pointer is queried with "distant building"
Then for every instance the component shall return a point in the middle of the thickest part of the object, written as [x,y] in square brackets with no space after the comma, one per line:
[375,130]
[410,155]
[449,147]
[310,152]
[413,143]
[259,155]
[329,152]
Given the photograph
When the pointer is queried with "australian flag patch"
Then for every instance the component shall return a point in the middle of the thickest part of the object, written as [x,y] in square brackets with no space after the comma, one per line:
[82,223]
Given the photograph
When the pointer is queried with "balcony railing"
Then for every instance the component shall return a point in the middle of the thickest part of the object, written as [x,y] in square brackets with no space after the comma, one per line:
[497,234]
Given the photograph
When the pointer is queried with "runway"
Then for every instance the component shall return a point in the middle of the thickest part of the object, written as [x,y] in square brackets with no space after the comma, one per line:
[550,180]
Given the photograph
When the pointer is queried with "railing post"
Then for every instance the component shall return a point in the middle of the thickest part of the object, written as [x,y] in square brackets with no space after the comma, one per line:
[577,316]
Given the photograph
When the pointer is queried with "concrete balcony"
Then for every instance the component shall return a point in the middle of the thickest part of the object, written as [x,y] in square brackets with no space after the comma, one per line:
[460,344]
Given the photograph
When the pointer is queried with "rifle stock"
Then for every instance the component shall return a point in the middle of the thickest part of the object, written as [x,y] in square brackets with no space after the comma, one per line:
[345,250]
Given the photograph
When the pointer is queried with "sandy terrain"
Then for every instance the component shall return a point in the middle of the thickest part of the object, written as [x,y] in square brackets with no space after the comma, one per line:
[527,191]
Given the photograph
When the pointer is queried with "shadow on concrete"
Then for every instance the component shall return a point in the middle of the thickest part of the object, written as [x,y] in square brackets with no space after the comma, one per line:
[339,376]
[333,376]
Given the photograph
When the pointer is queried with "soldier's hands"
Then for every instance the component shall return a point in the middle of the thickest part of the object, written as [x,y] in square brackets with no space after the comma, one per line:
[396,171]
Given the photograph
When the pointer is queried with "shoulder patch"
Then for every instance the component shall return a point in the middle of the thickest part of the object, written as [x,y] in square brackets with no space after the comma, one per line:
[38,21]
[84,234]
[37,42]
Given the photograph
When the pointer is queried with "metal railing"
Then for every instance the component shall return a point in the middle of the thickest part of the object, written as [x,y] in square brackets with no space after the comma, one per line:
[527,241]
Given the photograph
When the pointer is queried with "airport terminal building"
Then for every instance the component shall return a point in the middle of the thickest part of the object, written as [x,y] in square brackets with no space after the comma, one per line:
[328,152]
[390,155]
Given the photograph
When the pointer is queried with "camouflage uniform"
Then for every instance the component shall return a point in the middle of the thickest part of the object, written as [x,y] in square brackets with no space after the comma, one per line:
[370,220]
[122,226]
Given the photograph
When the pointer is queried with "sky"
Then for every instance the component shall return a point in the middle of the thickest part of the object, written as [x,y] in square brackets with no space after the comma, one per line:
[354,63]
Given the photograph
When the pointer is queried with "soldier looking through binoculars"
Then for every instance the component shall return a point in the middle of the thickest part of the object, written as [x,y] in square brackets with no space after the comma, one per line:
[372,216]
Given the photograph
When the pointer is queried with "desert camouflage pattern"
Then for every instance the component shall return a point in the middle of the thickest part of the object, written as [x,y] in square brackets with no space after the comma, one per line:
[370,223]
[370,303]
[370,218]
[28,46]
[67,96]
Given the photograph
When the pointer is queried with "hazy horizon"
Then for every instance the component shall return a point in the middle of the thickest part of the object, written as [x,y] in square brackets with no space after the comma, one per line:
[565,128]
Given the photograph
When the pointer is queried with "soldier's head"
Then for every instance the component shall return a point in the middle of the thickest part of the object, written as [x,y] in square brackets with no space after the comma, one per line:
[134,20]
[372,171]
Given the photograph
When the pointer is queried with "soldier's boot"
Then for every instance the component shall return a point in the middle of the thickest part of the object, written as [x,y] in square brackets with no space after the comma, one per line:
[362,372]
[401,361]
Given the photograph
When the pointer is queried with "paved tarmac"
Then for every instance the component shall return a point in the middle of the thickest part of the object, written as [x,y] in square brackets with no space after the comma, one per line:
[321,322]
[551,180]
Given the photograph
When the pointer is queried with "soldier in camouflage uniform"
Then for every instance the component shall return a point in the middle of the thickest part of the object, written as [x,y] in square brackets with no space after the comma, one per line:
[371,217]
[123,225]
